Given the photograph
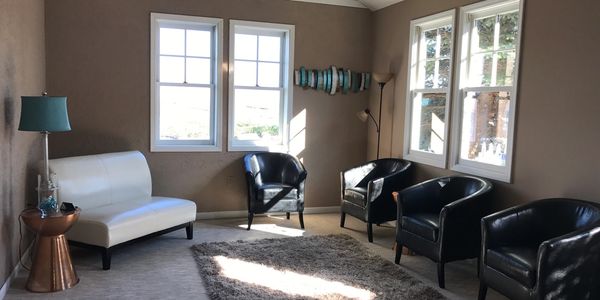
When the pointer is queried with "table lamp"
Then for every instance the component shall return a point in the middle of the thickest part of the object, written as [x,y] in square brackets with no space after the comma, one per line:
[45,114]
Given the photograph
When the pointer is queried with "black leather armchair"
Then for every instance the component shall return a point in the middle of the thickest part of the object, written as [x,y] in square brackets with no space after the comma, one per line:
[547,249]
[440,219]
[367,191]
[275,184]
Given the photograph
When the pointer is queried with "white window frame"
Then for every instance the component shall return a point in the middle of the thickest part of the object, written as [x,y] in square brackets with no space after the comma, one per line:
[287,62]
[417,27]
[467,15]
[188,22]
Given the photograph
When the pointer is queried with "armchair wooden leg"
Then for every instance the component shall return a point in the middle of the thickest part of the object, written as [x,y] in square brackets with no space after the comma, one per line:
[482,291]
[106,257]
[287,215]
[189,231]
[342,219]
[370,231]
[398,253]
[250,217]
[301,217]
[440,271]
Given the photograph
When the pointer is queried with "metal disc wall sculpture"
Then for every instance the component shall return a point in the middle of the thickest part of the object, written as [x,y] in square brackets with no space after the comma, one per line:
[332,80]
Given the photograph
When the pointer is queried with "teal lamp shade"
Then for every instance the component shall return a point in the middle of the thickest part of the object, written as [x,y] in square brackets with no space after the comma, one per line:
[44,113]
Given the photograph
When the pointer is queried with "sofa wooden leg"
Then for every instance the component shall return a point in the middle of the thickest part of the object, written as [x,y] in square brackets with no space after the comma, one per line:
[482,291]
[398,253]
[342,219]
[106,256]
[189,231]
[287,215]
[440,271]
[301,217]
[250,217]
[370,231]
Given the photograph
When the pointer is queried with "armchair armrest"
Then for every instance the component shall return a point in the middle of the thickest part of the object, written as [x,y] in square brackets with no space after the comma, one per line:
[568,265]
[351,177]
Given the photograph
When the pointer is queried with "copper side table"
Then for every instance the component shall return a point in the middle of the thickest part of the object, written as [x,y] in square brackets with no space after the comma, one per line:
[51,269]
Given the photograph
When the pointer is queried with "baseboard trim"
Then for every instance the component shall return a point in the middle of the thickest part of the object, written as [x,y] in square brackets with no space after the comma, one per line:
[14,273]
[230,214]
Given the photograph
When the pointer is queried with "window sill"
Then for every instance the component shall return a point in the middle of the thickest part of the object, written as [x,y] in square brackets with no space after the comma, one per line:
[185,148]
[492,172]
[436,160]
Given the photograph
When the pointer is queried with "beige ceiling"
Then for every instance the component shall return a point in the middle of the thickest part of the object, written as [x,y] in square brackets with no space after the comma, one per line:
[370,4]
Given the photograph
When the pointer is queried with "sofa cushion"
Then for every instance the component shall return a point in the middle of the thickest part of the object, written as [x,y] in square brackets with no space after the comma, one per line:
[425,225]
[356,195]
[518,263]
[110,225]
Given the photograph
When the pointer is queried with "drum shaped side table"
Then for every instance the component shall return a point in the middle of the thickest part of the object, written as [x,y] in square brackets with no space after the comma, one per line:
[51,269]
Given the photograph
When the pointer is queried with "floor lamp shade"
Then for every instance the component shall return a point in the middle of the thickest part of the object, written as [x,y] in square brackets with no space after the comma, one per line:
[44,114]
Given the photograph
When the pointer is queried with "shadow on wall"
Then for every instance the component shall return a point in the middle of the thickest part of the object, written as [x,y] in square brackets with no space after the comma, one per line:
[6,187]
[78,142]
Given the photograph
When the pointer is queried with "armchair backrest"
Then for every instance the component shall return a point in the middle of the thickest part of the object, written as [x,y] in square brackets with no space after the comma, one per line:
[458,187]
[559,216]
[273,167]
[381,168]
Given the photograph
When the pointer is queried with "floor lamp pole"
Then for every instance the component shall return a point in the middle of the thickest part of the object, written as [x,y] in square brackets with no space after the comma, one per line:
[381,84]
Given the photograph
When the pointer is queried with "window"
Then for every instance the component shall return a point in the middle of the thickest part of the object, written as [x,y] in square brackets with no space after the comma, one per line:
[260,87]
[185,83]
[429,80]
[486,90]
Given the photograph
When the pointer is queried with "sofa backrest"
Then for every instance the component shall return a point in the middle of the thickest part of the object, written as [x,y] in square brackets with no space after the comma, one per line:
[103,179]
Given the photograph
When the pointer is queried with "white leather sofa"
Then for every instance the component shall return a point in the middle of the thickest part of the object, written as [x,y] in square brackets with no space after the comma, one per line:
[114,192]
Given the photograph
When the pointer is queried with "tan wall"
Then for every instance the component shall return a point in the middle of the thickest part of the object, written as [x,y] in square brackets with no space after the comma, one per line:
[98,56]
[557,133]
[22,73]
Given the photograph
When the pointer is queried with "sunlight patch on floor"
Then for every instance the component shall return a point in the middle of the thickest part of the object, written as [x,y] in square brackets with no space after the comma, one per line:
[287,281]
[273,228]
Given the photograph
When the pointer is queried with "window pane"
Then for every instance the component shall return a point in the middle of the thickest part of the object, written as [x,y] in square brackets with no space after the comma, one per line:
[184,113]
[446,37]
[428,123]
[269,48]
[171,69]
[444,73]
[245,46]
[483,37]
[198,70]
[485,127]
[506,68]
[430,42]
[172,41]
[268,74]
[245,73]
[480,73]
[198,43]
[429,73]
[509,28]
[257,115]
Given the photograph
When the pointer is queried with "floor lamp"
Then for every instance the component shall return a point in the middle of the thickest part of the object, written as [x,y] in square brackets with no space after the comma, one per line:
[363,115]
[45,114]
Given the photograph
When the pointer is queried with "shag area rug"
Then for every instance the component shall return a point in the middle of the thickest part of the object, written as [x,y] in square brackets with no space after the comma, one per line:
[315,267]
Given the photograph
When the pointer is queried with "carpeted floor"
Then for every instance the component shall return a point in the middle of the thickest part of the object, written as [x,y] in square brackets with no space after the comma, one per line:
[164,267]
[323,267]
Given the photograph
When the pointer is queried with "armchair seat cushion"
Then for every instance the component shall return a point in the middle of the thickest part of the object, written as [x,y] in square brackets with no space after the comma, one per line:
[425,225]
[518,263]
[110,225]
[356,195]
[270,191]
